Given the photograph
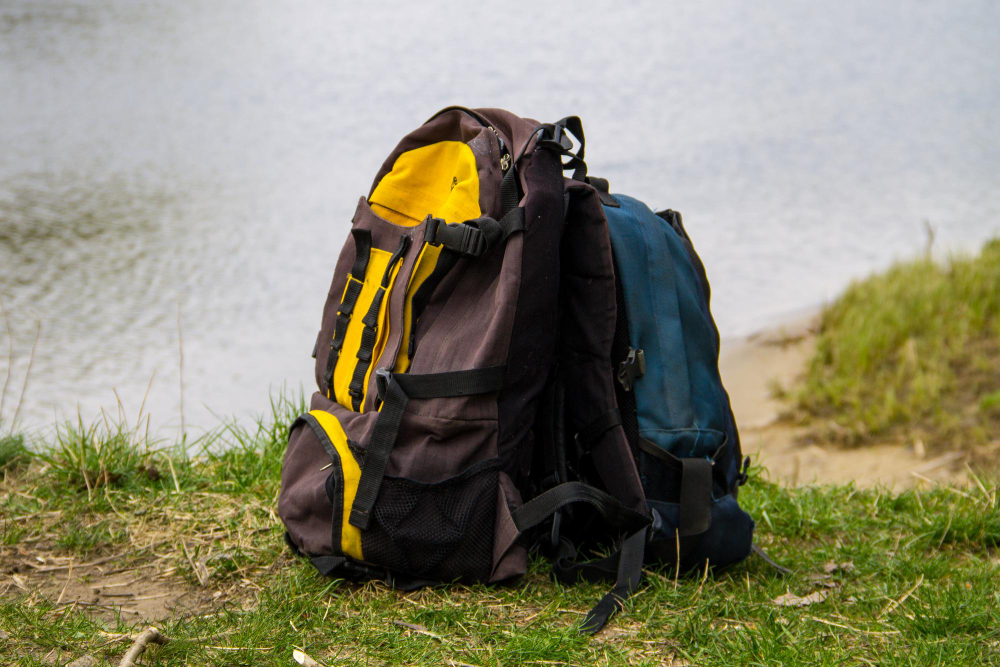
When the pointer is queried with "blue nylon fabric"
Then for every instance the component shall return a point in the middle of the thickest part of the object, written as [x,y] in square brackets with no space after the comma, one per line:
[728,541]
[681,404]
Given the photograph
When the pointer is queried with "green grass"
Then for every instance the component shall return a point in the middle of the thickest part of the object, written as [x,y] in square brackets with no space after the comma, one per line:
[12,450]
[921,586]
[910,353]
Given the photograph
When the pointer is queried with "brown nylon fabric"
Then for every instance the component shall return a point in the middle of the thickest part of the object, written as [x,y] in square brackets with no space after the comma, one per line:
[510,557]
[302,502]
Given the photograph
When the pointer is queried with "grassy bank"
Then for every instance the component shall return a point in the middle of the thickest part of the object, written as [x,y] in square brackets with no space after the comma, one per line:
[912,354]
[890,579]
[103,533]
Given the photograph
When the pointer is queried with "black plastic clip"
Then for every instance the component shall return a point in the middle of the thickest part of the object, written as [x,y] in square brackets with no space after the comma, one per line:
[461,237]
[632,368]
[382,377]
[554,136]
[559,137]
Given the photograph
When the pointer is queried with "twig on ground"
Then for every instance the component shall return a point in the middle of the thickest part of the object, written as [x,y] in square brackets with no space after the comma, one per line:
[145,637]
[701,584]
[54,568]
[201,574]
[69,576]
[853,629]
[419,629]
[304,660]
[889,608]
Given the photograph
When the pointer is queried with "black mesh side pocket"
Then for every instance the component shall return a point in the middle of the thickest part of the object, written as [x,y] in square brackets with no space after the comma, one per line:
[441,531]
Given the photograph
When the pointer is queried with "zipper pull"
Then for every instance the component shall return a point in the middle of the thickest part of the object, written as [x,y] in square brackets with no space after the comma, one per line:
[505,159]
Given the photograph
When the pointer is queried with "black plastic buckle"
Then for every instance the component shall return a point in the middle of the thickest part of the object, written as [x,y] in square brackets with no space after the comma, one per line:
[655,527]
[632,368]
[460,237]
[555,137]
[382,377]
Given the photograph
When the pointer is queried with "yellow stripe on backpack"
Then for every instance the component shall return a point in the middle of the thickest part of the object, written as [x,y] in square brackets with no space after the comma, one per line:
[350,537]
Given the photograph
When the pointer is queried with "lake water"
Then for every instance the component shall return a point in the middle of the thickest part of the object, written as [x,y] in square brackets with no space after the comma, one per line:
[209,154]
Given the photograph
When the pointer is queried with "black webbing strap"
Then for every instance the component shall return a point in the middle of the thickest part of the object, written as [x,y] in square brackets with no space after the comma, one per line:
[362,250]
[377,454]
[598,427]
[369,335]
[568,570]
[695,511]
[450,383]
[625,565]
[339,566]
[395,390]
[327,565]
[474,237]
[497,232]
[629,576]
[508,192]
[544,505]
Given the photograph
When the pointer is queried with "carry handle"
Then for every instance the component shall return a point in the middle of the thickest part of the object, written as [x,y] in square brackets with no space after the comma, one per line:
[554,137]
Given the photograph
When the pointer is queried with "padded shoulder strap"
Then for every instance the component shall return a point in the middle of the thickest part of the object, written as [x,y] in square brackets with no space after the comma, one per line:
[588,329]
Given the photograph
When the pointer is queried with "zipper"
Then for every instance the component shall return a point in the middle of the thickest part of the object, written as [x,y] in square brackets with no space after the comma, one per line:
[505,158]
[504,153]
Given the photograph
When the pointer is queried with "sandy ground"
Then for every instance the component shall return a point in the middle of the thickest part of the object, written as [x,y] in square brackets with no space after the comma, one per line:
[749,369]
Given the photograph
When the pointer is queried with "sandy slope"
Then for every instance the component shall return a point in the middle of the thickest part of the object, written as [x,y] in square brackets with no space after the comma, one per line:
[750,366]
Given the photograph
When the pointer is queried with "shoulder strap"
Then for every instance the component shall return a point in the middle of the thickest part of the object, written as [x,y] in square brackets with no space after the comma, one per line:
[624,566]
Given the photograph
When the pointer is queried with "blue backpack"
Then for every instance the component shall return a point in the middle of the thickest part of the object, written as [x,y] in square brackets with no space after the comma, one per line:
[635,401]
[674,410]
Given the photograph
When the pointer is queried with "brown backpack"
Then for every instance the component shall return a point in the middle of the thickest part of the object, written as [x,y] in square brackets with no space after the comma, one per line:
[438,339]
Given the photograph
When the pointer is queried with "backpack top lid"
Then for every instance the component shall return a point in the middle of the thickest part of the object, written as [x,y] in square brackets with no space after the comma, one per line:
[439,179]
[450,167]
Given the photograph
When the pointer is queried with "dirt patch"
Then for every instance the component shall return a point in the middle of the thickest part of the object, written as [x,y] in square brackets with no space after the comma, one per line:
[105,588]
[752,367]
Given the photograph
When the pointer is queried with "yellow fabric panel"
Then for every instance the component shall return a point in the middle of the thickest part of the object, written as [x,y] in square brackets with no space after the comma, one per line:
[348,359]
[425,266]
[394,216]
[438,179]
[350,536]
[382,331]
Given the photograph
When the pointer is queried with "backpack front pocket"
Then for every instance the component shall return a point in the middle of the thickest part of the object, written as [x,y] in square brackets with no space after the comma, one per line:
[441,531]
[320,481]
